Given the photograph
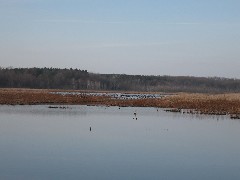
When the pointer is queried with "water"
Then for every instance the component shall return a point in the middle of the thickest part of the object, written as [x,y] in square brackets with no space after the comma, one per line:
[117,95]
[41,143]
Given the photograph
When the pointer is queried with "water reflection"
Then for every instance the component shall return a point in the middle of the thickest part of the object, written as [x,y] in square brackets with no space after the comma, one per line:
[83,142]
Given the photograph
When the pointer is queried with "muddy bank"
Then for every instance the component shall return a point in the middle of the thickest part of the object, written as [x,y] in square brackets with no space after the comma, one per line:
[223,104]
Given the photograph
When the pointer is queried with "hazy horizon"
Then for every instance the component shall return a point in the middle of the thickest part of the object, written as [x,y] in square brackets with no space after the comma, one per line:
[89,71]
[175,38]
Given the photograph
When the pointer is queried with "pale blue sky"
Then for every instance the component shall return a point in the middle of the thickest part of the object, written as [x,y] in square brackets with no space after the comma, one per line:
[150,37]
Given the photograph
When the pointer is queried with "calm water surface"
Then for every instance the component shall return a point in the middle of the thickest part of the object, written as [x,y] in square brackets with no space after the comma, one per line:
[41,143]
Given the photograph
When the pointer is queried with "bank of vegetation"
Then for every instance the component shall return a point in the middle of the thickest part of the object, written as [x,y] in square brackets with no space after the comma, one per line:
[218,104]
[76,79]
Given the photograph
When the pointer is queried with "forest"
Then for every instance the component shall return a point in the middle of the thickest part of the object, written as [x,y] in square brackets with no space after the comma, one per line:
[76,79]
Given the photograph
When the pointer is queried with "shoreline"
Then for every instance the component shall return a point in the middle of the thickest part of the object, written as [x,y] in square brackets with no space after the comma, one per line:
[212,104]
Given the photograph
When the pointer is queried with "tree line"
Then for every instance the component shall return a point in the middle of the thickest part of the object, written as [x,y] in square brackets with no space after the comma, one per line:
[76,79]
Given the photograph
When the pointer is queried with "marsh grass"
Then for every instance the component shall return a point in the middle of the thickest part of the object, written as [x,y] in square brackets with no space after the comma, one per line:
[216,104]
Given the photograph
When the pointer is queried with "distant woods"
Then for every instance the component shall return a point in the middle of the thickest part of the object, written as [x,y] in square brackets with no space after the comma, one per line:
[54,78]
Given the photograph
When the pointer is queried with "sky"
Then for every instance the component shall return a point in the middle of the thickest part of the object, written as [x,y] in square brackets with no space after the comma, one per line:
[147,37]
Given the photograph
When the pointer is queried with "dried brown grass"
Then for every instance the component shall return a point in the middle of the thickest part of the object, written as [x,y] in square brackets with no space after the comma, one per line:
[202,103]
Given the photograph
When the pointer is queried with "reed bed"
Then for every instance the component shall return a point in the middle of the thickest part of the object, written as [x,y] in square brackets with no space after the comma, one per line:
[215,104]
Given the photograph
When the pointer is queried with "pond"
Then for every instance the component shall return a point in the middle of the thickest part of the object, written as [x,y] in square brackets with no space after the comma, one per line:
[118,95]
[97,142]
